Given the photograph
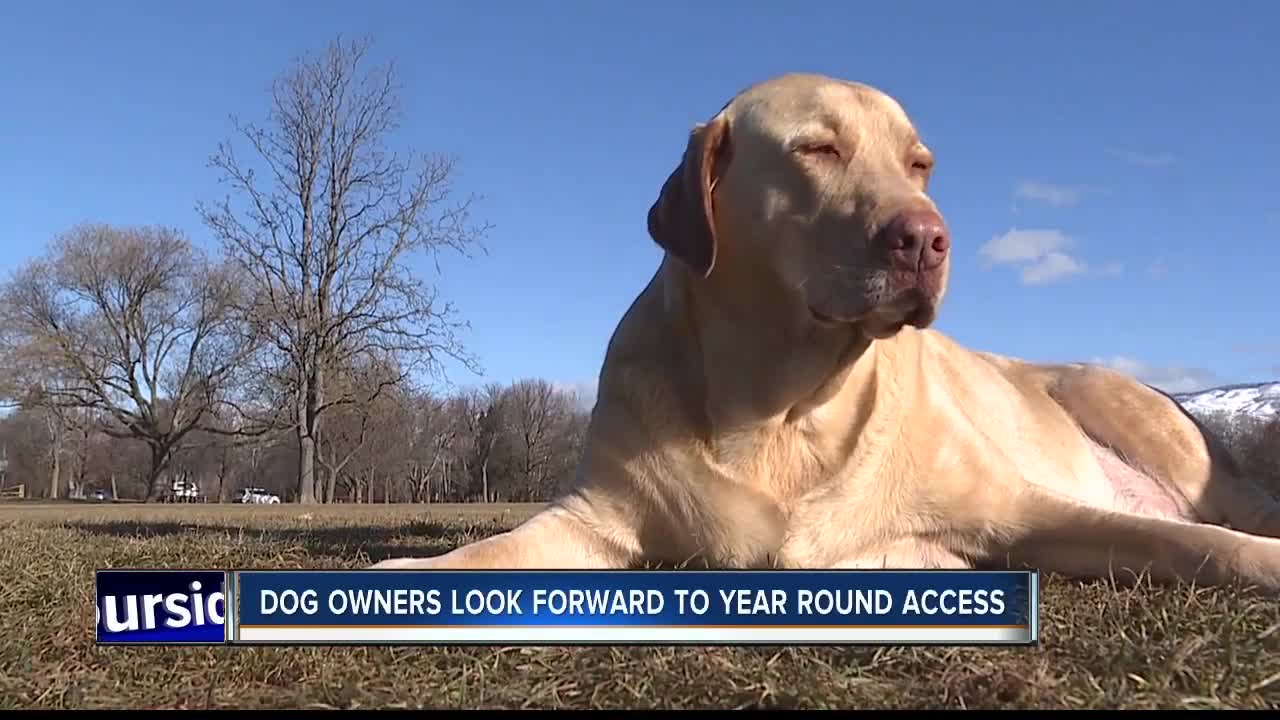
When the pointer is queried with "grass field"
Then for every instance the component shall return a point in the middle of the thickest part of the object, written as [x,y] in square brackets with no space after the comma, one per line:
[1103,647]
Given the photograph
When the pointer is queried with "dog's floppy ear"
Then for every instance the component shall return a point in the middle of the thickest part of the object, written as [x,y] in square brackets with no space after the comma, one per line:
[682,220]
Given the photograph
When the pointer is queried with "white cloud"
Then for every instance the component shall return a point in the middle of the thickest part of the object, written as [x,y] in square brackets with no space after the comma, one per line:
[1051,267]
[1055,195]
[1158,268]
[1043,255]
[1258,348]
[1144,159]
[583,391]
[1052,194]
[1171,379]
[1018,246]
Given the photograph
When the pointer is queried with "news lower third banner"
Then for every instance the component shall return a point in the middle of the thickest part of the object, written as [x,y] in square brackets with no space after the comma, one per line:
[434,607]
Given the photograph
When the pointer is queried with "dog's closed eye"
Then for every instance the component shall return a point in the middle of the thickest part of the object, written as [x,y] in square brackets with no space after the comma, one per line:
[820,149]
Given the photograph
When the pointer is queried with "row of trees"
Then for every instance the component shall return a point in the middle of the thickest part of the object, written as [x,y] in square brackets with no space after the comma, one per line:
[314,319]
[1254,441]
[512,443]
[516,443]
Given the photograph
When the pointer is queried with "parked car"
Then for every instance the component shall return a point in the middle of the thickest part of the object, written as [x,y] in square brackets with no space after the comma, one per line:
[185,489]
[258,496]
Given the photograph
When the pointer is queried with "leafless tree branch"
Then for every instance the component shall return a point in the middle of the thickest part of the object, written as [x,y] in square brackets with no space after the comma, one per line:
[133,324]
[325,222]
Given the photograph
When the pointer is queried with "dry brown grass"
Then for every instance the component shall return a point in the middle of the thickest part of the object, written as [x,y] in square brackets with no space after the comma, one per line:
[1104,647]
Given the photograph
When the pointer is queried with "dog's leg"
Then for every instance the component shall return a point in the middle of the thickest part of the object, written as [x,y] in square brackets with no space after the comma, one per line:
[911,554]
[1154,435]
[555,538]
[1060,535]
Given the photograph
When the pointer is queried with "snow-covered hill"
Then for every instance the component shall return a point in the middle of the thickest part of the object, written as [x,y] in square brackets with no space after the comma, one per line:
[1261,400]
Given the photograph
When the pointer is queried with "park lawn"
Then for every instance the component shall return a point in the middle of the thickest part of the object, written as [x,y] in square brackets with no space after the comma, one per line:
[1103,646]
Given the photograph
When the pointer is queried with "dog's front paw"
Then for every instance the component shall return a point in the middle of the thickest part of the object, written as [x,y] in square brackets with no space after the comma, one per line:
[405,563]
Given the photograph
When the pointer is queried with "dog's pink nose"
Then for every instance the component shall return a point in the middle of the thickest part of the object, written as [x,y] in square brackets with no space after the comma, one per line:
[917,239]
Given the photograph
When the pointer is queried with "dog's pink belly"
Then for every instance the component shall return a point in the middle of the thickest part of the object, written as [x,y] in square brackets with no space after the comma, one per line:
[1139,493]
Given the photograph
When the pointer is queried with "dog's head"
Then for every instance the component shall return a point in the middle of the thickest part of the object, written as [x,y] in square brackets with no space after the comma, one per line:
[813,190]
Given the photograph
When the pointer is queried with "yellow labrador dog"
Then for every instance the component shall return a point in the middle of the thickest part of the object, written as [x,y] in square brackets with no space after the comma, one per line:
[774,397]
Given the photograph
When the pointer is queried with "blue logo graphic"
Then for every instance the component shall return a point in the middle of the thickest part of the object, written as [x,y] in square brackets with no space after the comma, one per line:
[178,607]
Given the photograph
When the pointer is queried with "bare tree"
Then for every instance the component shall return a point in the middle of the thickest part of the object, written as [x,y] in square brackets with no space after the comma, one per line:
[383,454]
[433,433]
[65,427]
[487,427]
[325,226]
[371,388]
[23,434]
[134,324]
[539,418]
[56,426]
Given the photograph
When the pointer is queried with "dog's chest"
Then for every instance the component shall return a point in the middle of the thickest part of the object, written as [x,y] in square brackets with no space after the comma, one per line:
[785,462]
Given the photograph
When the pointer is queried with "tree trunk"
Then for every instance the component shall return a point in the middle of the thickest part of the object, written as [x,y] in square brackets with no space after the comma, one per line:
[306,405]
[54,423]
[155,488]
[466,480]
[444,479]
[82,459]
[331,485]
[55,473]
[222,472]
[484,481]
[386,495]
[306,467]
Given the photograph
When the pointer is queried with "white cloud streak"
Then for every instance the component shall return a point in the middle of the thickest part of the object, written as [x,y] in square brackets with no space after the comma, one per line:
[1171,379]
[1144,159]
[582,391]
[1042,255]
[1051,268]
[1055,195]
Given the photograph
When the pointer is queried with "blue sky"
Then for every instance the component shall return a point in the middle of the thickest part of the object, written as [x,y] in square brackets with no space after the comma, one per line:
[1110,171]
